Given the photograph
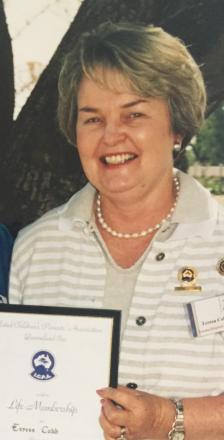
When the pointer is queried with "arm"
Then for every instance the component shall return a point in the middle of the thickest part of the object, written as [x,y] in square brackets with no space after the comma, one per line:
[146,416]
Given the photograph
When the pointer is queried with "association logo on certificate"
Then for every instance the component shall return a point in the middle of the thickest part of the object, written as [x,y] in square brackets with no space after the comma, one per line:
[43,364]
[52,362]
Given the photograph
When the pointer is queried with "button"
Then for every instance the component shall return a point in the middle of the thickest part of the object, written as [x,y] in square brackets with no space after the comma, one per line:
[140,320]
[132,385]
[160,256]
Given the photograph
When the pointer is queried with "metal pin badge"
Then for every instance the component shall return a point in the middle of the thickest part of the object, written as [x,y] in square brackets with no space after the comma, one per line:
[187,277]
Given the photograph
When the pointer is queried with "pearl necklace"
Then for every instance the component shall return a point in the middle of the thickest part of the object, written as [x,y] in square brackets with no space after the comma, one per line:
[141,233]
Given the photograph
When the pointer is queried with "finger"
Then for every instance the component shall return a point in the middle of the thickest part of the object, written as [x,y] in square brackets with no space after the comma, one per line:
[114,414]
[110,430]
[122,396]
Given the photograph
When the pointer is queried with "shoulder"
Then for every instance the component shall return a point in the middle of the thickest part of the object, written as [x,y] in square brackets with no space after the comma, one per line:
[41,234]
[58,222]
[43,227]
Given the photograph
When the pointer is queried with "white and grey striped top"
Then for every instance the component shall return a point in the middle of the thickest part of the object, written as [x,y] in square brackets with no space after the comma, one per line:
[58,261]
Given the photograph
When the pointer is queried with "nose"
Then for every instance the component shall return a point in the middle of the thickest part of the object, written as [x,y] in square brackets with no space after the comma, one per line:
[113,133]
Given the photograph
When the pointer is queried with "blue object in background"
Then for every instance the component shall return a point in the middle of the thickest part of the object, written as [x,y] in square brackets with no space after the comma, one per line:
[6,244]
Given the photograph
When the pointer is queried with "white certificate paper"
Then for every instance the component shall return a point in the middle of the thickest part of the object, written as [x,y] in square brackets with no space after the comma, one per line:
[52,360]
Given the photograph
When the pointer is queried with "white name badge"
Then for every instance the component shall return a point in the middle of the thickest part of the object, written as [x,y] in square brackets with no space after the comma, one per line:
[207,315]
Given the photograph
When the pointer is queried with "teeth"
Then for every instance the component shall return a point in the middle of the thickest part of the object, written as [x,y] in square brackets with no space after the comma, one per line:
[118,158]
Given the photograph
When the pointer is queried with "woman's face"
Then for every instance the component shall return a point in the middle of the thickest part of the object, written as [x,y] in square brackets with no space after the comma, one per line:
[125,141]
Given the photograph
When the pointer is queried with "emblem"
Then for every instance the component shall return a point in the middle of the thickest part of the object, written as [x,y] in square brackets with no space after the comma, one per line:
[220,266]
[188,279]
[43,364]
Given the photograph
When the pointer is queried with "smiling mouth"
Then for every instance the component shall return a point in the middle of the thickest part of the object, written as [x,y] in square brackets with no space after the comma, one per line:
[117,159]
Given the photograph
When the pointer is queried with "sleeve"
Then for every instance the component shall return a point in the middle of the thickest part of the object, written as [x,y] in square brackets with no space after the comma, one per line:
[6,244]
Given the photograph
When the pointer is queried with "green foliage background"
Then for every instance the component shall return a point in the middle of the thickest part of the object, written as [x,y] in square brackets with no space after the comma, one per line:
[209,146]
[208,149]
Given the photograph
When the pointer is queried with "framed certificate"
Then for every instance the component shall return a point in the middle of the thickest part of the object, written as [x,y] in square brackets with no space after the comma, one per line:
[52,360]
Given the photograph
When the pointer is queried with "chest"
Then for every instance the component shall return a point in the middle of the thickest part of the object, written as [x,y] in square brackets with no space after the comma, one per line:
[126,252]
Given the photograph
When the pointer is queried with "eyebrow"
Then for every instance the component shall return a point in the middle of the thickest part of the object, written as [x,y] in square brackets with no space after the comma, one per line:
[87,109]
[132,103]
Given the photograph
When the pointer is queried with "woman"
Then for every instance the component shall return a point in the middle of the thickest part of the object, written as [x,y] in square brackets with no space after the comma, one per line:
[6,243]
[129,96]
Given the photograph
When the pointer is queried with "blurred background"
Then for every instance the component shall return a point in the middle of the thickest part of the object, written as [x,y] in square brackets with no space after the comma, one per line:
[36,28]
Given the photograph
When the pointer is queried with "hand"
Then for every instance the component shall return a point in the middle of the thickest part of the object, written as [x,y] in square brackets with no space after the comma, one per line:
[143,415]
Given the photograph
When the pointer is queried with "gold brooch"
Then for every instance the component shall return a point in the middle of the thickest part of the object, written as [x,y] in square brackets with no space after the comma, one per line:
[188,276]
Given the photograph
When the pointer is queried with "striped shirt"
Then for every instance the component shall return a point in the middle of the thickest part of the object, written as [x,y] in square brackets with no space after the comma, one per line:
[58,261]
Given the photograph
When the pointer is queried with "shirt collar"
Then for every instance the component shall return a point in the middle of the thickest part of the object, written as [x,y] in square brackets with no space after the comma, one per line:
[195,214]
[78,209]
[196,211]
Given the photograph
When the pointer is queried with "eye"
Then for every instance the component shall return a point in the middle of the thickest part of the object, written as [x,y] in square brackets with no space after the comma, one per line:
[135,115]
[93,120]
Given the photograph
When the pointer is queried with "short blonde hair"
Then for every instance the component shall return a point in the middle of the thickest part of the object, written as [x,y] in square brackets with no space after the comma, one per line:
[155,63]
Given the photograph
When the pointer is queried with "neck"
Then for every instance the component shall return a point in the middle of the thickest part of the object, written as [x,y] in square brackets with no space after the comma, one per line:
[120,224]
